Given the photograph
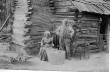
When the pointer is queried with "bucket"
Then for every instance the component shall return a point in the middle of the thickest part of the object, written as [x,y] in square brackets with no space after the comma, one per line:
[56,57]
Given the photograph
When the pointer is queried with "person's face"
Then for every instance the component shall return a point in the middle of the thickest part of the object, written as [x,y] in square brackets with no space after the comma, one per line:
[72,23]
[66,23]
[47,35]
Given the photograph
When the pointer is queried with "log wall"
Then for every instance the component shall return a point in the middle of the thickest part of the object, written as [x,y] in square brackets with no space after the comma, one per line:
[42,20]
[87,24]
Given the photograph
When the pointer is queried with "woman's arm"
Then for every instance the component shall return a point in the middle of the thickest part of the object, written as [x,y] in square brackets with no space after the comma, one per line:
[52,41]
[42,42]
[72,31]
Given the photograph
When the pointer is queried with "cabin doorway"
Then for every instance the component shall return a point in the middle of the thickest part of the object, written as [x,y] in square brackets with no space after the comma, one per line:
[104,27]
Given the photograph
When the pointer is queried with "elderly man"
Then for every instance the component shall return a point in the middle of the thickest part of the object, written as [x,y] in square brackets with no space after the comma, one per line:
[65,32]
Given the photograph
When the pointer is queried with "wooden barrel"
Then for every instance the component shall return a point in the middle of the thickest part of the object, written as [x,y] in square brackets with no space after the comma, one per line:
[56,57]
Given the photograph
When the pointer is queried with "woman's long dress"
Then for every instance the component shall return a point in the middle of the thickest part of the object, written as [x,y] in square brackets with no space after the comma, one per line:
[56,40]
[43,53]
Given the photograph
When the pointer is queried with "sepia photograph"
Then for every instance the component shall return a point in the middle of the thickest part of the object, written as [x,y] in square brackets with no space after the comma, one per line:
[55,35]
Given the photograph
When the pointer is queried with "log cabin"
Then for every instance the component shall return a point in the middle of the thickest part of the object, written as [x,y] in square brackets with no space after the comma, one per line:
[92,19]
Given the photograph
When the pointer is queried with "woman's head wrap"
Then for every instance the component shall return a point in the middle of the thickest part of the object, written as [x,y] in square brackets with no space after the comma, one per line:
[46,33]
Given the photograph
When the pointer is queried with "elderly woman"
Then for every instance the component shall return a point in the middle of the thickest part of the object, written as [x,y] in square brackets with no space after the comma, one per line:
[46,43]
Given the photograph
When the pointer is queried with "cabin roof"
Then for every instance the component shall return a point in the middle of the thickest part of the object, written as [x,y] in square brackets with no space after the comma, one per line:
[94,7]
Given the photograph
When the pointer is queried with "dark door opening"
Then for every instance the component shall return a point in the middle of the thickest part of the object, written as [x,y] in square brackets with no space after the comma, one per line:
[104,27]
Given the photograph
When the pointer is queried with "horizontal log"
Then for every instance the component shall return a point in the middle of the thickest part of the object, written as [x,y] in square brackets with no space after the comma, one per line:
[62,10]
[40,29]
[85,19]
[90,16]
[37,21]
[40,18]
[93,29]
[65,13]
[37,39]
[62,16]
[42,9]
[59,0]
[32,41]
[62,3]
[94,36]
[46,15]
[34,33]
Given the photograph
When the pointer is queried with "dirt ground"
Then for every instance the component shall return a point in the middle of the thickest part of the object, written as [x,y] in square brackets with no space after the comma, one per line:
[97,61]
